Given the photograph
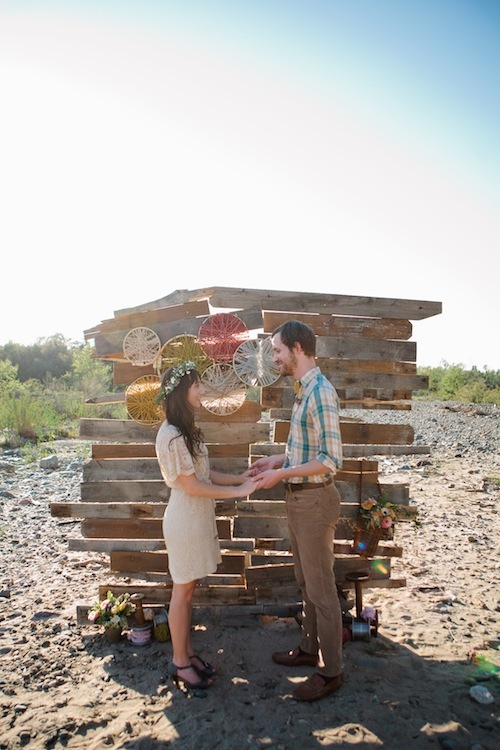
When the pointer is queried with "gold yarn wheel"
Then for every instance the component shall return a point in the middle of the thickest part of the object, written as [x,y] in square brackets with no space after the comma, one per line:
[253,362]
[182,348]
[140,400]
[141,346]
[224,391]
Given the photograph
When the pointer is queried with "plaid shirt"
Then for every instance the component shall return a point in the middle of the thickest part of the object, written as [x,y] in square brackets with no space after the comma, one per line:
[314,427]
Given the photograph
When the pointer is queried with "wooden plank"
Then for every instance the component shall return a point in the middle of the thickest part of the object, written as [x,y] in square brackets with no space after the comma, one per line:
[382,434]
[121,469]
[109,398]
[260,526]
[116,430]
[283,573]
[384,450]
[108,510]
[125,372]
[160,593]
[340,547]
[373,366]
[275,508]
[101,451]
[150,318]
[371,349]
[233,562]
[145,545]
[397,493]
[127,491]
[383,386]
[268,527]
[129,431]
[134,528]
[267,575]
[374,307]
[332,325]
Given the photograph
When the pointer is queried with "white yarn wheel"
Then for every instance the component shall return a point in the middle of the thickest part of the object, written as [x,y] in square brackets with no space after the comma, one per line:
[253,362]
[141,346]
[224,391]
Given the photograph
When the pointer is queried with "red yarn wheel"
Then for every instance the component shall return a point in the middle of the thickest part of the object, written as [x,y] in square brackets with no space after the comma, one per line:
[221,334]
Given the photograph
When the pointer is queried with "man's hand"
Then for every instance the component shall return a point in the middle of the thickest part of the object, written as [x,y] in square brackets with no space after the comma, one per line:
[267,479]
[265,463]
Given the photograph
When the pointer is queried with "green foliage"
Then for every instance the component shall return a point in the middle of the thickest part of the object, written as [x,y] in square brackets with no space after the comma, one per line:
[43,392]
[49,357]
[92,376]
[452,382]
[27,417]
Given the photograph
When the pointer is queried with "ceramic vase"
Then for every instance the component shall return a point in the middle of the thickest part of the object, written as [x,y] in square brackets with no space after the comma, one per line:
[113,635]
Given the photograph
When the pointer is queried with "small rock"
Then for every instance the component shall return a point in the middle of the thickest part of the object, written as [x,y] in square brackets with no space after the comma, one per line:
[49,462]
[481,694]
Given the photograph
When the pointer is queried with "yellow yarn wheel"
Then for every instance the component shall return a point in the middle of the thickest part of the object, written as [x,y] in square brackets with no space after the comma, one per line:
[182,348]
[140,400]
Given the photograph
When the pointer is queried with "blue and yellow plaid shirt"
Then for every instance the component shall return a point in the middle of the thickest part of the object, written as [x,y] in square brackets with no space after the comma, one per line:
[314,427]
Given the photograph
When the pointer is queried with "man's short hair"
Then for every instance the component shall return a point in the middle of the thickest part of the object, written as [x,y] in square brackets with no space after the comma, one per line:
[294,332]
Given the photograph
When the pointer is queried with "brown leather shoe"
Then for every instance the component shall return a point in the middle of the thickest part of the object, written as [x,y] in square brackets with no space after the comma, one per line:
[295,658]
[317,687]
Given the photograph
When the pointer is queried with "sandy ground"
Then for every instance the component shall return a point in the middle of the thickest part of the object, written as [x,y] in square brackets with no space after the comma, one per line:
[62,685]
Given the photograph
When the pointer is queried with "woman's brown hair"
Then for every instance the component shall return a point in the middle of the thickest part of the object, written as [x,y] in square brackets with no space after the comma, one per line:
[179,412]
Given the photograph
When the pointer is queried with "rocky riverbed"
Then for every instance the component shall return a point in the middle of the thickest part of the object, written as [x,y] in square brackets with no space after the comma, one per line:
[63,685]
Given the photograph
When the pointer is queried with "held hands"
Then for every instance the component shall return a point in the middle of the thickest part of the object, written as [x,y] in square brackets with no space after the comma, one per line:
[263,464]
[265,472]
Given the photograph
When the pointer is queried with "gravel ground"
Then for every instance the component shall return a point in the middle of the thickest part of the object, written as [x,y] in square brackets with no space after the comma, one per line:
[62,686]
[448,425]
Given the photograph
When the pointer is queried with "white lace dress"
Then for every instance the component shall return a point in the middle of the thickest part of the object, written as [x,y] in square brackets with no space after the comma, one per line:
[189,525]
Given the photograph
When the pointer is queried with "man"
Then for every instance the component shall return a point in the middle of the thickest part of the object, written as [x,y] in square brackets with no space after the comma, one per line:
[313,454]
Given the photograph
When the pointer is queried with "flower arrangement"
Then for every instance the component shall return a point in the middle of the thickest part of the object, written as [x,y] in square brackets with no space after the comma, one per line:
[177,374]
[112,612]
[377,512]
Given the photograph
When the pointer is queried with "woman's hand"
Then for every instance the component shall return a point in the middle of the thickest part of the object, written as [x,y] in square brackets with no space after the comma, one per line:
[247,488]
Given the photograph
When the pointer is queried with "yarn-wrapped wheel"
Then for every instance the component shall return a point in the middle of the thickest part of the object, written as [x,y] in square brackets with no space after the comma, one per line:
[224,391]
[221,334]
[140,400]
[253,362]
[141,346]
[182,348]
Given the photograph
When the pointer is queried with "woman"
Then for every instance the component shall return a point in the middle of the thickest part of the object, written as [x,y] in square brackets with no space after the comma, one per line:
[189,525]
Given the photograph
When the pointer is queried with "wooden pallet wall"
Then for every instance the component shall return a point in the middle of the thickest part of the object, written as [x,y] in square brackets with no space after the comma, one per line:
[363,348]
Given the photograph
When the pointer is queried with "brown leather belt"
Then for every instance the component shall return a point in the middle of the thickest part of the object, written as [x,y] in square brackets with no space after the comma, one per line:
[298,486]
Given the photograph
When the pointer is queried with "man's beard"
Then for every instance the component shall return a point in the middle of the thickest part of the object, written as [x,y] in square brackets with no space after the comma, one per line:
[288,368]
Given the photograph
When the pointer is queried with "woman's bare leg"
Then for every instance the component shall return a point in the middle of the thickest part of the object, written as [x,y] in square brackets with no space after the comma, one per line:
[179,622]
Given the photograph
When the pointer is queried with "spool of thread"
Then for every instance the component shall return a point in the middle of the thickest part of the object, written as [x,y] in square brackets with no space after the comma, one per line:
[140,636]
[360,629]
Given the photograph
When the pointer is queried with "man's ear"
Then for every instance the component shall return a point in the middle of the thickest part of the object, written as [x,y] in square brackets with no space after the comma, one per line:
[297,348]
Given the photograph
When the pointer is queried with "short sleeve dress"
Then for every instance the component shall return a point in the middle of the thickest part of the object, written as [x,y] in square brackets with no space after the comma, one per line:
[189,525]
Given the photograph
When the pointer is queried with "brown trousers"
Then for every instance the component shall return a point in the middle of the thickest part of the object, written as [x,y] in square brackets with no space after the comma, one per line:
[313,515]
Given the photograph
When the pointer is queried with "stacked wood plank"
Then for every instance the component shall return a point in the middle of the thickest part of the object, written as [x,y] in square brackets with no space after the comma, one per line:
[363,348]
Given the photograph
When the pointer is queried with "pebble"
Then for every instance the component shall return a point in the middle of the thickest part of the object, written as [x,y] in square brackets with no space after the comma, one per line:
[481,694]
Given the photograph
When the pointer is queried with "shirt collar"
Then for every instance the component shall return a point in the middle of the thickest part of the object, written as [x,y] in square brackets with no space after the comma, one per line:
[309,376]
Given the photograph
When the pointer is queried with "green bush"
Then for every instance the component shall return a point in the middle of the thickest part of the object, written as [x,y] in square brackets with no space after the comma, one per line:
[452,382]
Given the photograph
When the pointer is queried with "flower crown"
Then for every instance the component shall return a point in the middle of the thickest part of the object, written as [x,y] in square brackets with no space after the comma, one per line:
[176,376]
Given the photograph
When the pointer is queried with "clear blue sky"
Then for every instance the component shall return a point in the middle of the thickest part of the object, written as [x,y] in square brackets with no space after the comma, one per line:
[323,146]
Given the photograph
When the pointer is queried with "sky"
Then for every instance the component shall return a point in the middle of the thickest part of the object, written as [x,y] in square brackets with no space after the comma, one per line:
[306,145]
